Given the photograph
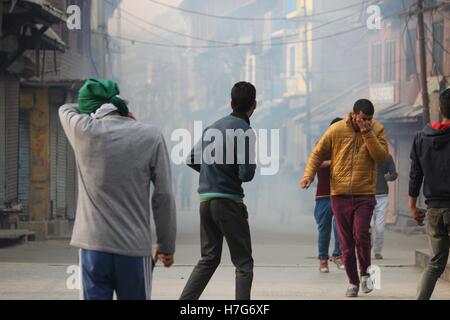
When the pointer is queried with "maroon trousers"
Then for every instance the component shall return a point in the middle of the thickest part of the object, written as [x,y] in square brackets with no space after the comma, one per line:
[353,215]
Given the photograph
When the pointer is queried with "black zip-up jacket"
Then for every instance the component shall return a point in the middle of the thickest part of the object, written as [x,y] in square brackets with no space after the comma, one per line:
[430,156]
[387,167]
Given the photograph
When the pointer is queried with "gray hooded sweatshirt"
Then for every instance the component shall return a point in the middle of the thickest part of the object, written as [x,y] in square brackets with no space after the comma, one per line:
[117,159]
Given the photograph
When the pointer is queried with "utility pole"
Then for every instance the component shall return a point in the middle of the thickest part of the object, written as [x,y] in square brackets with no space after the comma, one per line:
[307,79]
[423,63]
[119,49]
[103,38]
[422,52]
[1,24]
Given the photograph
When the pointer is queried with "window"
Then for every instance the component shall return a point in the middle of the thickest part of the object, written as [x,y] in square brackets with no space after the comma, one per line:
[376,63]
[302,6]
[438,51]
[389,63]
[267,29]
[250,69]
[292,62]
[410,41]
[290,6]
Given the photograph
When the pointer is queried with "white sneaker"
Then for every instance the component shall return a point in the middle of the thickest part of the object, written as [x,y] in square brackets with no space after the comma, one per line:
[352,291]
[366,284]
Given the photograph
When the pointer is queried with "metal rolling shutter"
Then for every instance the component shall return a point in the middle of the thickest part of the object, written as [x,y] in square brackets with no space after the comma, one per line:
[61,172]
[58,165]
[2,141]
[53,159]
[24,162]
[71,186]
[12,139]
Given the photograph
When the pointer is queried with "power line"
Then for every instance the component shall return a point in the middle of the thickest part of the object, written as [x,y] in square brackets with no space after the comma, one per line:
[314,28]
[145,29]
[316,72]
[222,44]
[263,41]
[265,68]
[242,44]
[166,29]
[427,46]
[406,29]
[268,41]
[91,58]
[134,41]
[268,69]
[441,13]
[435,67]
[435,40]
[232,45]
[255,18]
[430,49]
[156,44]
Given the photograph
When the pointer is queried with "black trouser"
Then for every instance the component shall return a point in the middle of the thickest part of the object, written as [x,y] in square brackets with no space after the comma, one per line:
[221,218]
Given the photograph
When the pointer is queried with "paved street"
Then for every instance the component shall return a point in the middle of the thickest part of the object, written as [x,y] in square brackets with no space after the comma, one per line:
[286,268]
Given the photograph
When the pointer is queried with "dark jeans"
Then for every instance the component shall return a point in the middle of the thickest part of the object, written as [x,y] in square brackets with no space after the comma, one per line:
[353,215]
[221,218]
[324,219]
[438,231]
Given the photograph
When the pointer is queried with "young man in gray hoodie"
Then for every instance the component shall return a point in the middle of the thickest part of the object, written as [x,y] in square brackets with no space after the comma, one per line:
[117,160]
[223,213]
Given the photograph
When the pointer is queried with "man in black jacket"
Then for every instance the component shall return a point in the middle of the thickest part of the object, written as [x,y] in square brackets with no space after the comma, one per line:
[225,158]
[386,173]
[430,158]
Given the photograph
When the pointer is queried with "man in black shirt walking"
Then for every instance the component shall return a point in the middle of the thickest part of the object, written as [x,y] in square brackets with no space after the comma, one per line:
[430,156]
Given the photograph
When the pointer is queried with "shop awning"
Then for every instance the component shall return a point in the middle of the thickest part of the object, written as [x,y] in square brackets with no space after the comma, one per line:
[400,112]
[41,11]
[404,112]
[49,40]
[27,25]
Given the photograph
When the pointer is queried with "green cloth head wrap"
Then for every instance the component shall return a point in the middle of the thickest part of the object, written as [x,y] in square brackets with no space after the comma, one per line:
[95,93]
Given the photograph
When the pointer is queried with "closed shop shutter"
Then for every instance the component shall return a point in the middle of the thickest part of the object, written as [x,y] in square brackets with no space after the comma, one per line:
[12,139]
[58,165]
[24,163]
[71,185]
[2,142]
[53,159]
[72,177]
[61,172]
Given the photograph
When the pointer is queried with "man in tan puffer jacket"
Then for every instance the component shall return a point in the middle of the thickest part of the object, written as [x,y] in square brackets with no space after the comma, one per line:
[357,146]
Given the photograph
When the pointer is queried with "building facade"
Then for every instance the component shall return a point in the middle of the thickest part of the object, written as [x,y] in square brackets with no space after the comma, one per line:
[43,183]
[394,73]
